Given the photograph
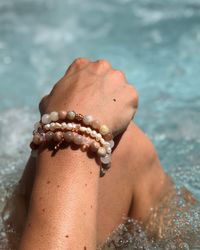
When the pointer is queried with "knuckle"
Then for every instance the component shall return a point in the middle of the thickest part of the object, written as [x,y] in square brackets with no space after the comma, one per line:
[119,74]
[79,61]
[102,65]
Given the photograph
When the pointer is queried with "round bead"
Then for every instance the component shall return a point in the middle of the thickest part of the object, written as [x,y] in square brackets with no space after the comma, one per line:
[106,159]
[47,127]
[108,136]
[93,133]
[108,149]
[46,119]
[78,139]
[68,136]
[57,125]
[37,139]
[112,143]
[58,136]
[83,129]
[88,130]
[62,115]
[104,130]
[52,126]
[54,116]
[98,137]
[49,136]
[69,126]
[94,146]
[71,115]
[87,119]
[63,125]
[101,152]
[102,141]
[96,124]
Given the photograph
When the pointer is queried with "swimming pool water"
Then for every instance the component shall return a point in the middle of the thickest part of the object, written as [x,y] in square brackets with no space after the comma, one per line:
[156,43]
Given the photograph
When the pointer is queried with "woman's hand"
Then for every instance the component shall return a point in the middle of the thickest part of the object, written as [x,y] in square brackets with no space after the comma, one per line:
[97,89]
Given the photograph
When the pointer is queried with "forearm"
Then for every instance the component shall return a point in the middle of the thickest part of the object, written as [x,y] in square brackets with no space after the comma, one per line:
[64,196]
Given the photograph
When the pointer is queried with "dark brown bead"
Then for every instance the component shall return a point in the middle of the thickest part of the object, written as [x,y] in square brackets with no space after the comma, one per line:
[58,136]
[49,136]
[108,137]
[79,117]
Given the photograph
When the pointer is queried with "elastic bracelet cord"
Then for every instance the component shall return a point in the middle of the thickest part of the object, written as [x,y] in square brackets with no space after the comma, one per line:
[62,127]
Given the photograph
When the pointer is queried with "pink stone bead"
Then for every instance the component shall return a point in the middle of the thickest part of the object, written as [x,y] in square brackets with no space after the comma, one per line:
[62,115]
[96,124]
[94,146]
[58,136]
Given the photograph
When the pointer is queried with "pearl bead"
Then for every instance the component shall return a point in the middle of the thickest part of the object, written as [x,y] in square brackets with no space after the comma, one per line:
[49,136]
[109,150]
[57,125]
[37,139]
[46,119]
[47,126]
[52,126]
[87,119]
[112,143]
[102,141]
[58,136]
[88,130]
[104,130]
[69,126]
[96,124]
[62,115]
[83,129]
[94,146]
[78,139]
[98,136]
[93,133]
[74,125]
[71,115]
[68,136]
[101,152]
[54,116]
[106,159]
[63,125]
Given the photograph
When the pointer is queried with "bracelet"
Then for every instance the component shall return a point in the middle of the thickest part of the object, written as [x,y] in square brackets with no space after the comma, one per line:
[69,127]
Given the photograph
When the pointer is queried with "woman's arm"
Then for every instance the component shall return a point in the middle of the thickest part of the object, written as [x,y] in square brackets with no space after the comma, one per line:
[63,207]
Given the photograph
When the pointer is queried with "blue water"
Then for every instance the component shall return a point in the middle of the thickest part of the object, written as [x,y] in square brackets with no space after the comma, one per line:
[156,43]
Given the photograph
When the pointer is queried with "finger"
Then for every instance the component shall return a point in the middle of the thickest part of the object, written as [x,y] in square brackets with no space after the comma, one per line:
[77,65]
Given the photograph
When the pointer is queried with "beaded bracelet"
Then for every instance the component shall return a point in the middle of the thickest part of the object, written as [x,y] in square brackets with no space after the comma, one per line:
[84,131]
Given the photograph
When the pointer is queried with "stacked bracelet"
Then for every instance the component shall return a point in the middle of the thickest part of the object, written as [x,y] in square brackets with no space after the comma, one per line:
[69,127]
